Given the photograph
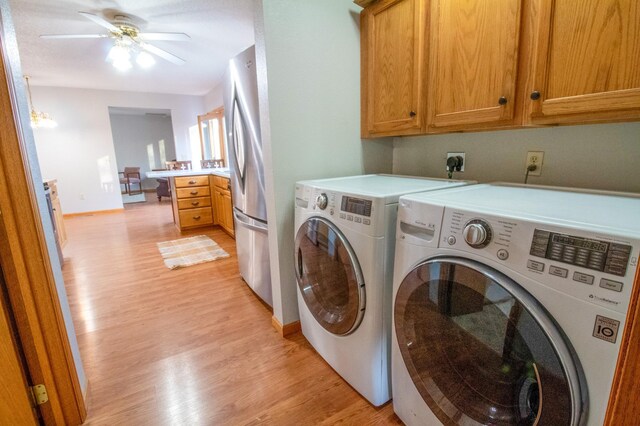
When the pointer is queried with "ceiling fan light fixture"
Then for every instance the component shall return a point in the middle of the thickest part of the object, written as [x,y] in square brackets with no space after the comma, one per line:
[119,52]
[122,64]
[145,60]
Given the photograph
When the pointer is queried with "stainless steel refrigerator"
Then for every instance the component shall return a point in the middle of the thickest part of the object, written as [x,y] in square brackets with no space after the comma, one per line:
[242,121]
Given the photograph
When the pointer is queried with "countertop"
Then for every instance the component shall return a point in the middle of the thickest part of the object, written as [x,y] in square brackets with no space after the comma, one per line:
[222,172]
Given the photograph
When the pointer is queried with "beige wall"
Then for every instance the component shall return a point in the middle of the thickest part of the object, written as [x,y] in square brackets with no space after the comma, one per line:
[601,156]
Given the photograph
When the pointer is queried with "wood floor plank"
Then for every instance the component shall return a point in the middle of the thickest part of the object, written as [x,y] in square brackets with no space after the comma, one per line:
[192,346]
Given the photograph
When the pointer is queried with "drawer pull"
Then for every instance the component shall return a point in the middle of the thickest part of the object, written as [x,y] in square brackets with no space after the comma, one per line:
[196,217]
[192,182]
[195,203]
[194,192]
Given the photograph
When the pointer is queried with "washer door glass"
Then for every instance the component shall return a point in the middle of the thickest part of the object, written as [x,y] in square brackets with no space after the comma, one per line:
[329,276]
[481,350]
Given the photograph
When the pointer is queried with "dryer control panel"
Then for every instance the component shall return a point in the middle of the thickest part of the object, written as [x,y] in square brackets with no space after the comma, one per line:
[357,212]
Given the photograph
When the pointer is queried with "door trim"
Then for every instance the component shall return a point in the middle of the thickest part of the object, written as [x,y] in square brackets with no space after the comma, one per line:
[623,409]
[30,282]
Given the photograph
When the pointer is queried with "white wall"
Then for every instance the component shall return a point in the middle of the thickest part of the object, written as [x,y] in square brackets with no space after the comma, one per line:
[80,153]
[213,99]
[599,156]
[132,136]
[310,116]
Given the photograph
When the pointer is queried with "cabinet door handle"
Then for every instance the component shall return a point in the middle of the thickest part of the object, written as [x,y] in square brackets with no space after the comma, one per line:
[412,114]
[194,192]
[228,187]
[502,100]
[196,217]
[192,182]
[535,95]
[195,203]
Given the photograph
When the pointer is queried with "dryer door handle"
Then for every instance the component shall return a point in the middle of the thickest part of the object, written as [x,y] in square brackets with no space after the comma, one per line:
[300,269]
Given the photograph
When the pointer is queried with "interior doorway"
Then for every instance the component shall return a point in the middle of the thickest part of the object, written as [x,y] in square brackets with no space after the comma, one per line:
[143,141]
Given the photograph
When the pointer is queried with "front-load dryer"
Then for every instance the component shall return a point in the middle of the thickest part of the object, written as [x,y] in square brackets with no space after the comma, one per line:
[509,304]
[345,237]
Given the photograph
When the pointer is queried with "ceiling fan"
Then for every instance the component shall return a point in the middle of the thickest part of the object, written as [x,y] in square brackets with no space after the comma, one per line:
[128,39]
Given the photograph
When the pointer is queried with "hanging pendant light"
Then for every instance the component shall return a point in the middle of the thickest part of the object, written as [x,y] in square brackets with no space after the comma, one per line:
[38,119]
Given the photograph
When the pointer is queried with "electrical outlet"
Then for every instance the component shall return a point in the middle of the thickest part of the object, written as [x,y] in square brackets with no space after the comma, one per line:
[453,154]
[535,158]
[82,196]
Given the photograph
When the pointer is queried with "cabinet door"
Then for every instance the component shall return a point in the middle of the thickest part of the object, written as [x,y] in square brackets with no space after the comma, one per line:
[587,61]
[227,212]
[393,65]
[217,206]
[57,215]
[473,62]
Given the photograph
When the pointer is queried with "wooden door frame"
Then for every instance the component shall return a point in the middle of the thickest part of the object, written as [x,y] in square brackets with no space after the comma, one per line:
[623,408]
[25,259]
[219,114]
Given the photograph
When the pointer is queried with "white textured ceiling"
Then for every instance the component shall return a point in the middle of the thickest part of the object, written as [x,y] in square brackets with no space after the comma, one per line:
[219,29]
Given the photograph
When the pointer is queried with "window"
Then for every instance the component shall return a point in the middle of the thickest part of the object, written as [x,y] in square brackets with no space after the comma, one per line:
[212,135]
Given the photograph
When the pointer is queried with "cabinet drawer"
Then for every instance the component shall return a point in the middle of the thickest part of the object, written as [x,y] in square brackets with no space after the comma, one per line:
[222,183]
[198,191]
[187,181]
[189,203]
[195,217]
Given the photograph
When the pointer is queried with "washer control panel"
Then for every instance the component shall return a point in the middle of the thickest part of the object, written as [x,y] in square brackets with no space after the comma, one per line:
[607,257]
[477,233]
[586,264]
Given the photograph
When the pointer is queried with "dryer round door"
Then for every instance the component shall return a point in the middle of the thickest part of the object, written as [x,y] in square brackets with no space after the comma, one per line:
[481,350]
[329,276]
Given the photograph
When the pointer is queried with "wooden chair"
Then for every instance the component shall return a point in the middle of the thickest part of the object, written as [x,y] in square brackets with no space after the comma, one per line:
[178,165]
[163,189]
[212,164]
[131,176]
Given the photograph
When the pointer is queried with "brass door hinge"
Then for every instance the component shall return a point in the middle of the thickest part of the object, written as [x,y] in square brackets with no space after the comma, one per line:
[39,394]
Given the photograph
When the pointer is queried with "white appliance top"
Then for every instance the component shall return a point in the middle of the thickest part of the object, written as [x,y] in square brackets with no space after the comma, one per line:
[614,211]
[388,187]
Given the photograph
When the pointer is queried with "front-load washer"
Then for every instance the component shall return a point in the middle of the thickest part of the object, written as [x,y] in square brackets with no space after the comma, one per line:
[345,237]
[509,304]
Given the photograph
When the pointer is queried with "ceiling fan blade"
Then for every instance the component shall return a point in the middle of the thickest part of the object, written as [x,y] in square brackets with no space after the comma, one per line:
[164,36]
[54,36]
[100,21]
[162,53]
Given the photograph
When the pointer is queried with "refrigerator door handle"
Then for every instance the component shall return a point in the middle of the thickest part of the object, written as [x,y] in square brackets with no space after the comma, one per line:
[236,139]
[249,223]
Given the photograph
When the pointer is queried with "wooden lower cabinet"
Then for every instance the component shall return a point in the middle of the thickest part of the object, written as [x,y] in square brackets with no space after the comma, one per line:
[202,200]
[191,202]
[57,212]
[222,203]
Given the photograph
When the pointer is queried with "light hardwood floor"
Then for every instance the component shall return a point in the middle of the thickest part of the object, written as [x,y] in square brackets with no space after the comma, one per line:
[191,346]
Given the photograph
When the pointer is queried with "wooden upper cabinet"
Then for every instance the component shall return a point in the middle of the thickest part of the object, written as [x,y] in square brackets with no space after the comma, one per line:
[587,61]
[393,65]
[473,62]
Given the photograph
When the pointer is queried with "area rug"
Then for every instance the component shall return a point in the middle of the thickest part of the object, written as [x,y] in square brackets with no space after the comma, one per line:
[190,251]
